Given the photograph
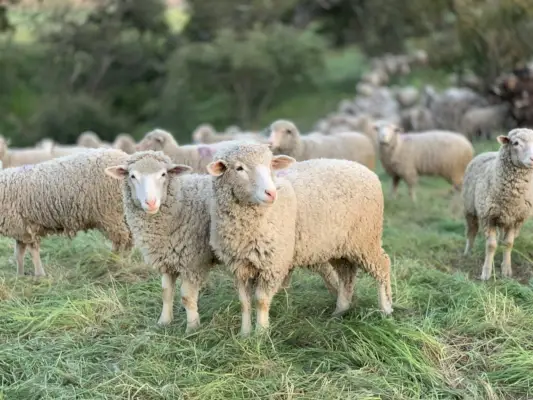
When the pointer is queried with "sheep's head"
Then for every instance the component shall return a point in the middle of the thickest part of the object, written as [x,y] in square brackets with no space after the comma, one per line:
[519,145]
[283,135]
[148,175]
[386,132]
[249,170]
[125,143]
[89,139]
[202,133]
[156,140]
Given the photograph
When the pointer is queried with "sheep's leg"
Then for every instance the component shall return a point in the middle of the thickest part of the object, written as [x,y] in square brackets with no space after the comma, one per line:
[189,300]
[244,287]
[168,283]
[380,271]
[395,184]
[472,227]
[20,251]
[347,273]
[490,250]
[329,275]
[263,296]
[508,241]
[411,181]
[35,249]
[287,280]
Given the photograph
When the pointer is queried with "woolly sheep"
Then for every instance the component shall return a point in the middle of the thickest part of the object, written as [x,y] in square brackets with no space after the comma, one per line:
[407,96]
[345,123]
[286,139]
[11,157]
[195,156]
[91,140]
[417,119]
[59,150]
[124,142]
[262,226]
[498,195]
[484,121]
[62,196]
[168,213]
[406,156]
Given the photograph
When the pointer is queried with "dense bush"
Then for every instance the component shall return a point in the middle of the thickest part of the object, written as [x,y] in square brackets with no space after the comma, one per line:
[237,77]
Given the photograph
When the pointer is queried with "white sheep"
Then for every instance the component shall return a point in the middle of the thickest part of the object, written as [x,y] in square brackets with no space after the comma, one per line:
[407,96]
[168,213]
[263,226]
[285,139]
[124,142]
[407,156]
[62,196]
[484,121]
[15,157]
[498,195]
[91,140]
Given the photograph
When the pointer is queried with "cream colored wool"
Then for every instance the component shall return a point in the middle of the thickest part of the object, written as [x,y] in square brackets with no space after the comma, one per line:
[91,140]
[125,142]
[498,195]
[62,196]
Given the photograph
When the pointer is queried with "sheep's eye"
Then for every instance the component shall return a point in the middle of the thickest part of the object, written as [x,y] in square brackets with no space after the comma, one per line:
[289,131]
[133,176]
[239,168]
[163,174]
[515,143]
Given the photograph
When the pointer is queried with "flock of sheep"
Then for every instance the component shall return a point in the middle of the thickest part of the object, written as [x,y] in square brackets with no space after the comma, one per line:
[252,201]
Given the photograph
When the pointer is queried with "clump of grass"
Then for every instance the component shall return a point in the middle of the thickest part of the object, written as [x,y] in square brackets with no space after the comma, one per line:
[88,330]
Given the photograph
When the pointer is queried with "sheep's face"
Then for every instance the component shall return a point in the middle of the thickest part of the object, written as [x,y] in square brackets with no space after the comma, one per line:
[519,144]
[148,181]
[283,135]
[155,140]
[386,132]
[249,170]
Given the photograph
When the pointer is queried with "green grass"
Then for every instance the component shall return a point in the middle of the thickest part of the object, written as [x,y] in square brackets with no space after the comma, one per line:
[88,330]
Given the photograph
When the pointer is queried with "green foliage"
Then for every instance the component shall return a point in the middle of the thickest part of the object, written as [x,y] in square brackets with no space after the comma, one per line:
[88,330]
[240,76]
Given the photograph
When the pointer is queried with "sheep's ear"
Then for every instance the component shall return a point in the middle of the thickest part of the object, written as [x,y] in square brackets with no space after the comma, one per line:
[117,172]
[216,168]
[281,162]
[503,139]
[178,169]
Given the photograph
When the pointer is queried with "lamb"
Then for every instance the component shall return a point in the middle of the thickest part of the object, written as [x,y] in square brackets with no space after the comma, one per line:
[61,196]
[262,226]
[498,194]
[11,157]
[168,213]
[285,139]
[483,121]
[406,156]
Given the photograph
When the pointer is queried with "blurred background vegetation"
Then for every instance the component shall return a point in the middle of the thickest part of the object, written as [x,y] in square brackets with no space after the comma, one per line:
[130,65]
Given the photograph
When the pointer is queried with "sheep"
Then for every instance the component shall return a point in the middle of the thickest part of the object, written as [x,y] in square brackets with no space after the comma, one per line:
[417,119]
[168,213]
[124,142]
[406,156]
[365,89]
[262,226]
[11,157]
[498,194]
[91,140]
[483,121]
[286,139]
[62,196]
[345,123]
[206,133]
[407,96]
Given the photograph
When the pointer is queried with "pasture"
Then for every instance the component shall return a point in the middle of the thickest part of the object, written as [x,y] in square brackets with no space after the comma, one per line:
[88,330]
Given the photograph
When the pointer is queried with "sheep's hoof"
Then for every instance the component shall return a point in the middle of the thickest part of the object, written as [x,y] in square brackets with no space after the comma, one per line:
[261,330]
[339,313]
[387,310]
[192,327]
[164,321]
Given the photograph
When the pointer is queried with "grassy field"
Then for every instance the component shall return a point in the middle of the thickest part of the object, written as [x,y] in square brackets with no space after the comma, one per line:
[88,331]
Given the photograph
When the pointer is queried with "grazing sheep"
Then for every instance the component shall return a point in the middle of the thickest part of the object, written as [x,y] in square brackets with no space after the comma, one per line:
[90,139]
[168,213]
[195,156]
[262,226]
[286,139]
[406,156]
[498,195]
[484,121]
[11,157]
[62,196]
[125,142]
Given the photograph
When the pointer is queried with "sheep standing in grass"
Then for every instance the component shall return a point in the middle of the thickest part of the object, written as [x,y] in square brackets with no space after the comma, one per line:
[484,121]
[62,196]
[17,157]
[262,226]
[285,138]
[498,194]
[195,156]
[438,153]
[168,213]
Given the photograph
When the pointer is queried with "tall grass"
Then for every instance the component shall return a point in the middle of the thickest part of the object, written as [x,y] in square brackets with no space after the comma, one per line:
[88,330]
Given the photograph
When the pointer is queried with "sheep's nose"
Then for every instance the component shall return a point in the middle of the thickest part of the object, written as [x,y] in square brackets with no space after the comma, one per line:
[151,203]
[271,194]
